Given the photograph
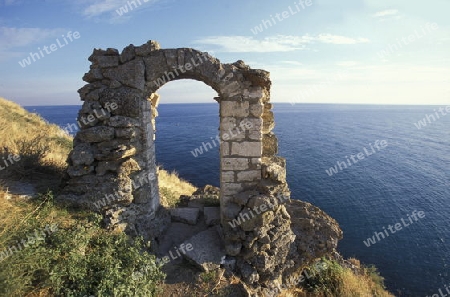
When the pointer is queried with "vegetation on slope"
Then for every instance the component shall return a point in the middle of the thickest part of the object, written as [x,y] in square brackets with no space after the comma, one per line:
[46,250]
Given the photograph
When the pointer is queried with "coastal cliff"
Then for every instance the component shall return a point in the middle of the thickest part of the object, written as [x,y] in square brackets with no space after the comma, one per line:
[49,249]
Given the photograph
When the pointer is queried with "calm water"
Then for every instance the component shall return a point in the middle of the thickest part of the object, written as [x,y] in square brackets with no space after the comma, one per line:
[411,173]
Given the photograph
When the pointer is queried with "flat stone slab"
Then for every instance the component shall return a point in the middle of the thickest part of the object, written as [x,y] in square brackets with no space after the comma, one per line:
[197,204]
[186,215]
[212,215]
[207,250]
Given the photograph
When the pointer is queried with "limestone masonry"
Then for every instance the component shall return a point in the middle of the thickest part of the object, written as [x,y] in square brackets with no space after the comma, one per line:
[114,156]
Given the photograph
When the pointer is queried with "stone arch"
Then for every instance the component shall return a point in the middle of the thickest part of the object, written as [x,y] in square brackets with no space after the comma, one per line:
[112,165]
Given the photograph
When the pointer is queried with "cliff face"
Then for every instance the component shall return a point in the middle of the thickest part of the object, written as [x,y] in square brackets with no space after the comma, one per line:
[317,235]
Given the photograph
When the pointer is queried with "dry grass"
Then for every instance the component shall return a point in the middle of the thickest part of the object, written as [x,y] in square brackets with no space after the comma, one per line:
[171,187]
[42,147]
[45,147]
[340,281]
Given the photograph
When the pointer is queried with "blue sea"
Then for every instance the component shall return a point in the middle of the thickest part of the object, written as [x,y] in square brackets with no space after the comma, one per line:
[411,173]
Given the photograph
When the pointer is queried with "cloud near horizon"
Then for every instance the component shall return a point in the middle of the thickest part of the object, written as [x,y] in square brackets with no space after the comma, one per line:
[278,43]
[11,37]
[100,7]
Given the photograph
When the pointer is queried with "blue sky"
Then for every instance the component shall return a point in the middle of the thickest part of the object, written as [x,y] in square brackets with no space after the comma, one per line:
[318,51]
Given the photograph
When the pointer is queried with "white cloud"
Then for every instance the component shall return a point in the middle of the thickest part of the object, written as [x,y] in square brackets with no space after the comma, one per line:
[100,7]
[384,13]
[9,2]
[294,63]
[336,39]
[11,37]
[278,43]
[347,63]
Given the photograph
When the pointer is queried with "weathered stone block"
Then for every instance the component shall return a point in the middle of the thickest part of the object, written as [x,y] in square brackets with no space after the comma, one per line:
[207,256]
[96,134]
[76,171]
[234,164]
[225,149]
[231,210]
[212,215]
[121,121]
[231,89]
[270,145]
[226,124]
[127,133]
[122,101]
[127,54]
[255,135]
[130,74]
[256,124]
[105,166]
[231,188]
[247,149]
[106,61]
[142,195]
[234,109]
[82,154]
[227,177]
[256,109]
[185,215]
[251,175]
[95,74]
[147,48]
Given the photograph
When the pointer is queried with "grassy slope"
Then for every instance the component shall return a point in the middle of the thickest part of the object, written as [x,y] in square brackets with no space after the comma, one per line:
[81,250]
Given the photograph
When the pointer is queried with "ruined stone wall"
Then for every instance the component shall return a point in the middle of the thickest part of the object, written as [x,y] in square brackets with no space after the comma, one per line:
[112,166]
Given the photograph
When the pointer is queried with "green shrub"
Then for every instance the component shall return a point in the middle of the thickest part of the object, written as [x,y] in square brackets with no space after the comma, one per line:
[80,259]
[327,280]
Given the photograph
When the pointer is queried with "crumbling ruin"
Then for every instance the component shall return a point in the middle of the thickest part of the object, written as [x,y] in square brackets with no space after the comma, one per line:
[114,155]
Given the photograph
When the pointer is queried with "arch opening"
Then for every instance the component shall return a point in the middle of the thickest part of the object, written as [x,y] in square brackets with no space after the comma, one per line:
[114,157]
